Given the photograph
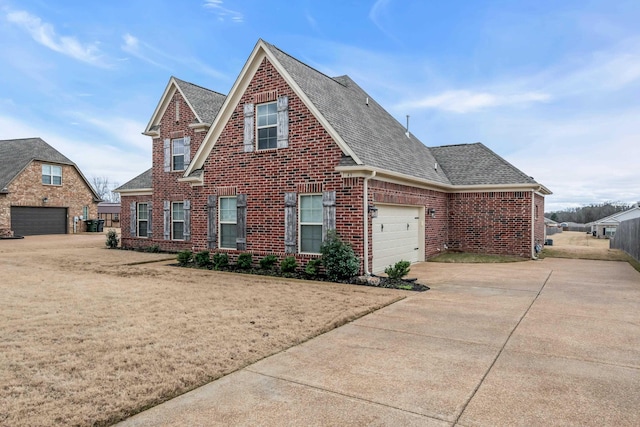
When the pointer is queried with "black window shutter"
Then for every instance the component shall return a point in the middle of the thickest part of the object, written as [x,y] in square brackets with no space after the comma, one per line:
[283,122]
[248,128]
[212,221]
[241,222]
[290,223]
[328,212]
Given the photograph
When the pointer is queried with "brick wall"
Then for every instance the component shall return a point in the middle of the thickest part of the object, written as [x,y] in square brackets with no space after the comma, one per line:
[539,230]
[491,222]
[28,190]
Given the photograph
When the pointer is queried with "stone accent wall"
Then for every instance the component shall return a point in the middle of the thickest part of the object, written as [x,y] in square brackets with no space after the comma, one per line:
[28,190]
[491,222]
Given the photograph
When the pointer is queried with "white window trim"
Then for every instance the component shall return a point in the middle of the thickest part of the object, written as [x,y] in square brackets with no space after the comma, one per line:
[221,222]
[173,220]
[138,220]
[173,155]
[300,223]
[258,127]
[51,175]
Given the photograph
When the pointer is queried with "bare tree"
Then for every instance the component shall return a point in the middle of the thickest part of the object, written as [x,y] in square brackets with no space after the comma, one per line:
[104,188]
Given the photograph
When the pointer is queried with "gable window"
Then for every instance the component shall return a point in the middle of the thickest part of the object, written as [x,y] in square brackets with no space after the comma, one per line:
[51,175]
[143,219]
[177,221]
[228,222]
[310,223]
[267,126]
[177,154]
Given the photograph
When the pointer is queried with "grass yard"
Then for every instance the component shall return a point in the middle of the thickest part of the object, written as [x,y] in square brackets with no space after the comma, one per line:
[89,336]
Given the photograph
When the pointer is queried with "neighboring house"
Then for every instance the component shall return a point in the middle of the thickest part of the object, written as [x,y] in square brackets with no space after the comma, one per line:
[41,190]
[606,227]
[291,153]
[552,227]
[109,212]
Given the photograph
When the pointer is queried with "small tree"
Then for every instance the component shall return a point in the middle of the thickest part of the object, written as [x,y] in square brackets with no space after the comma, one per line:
[338,258]
[112,239]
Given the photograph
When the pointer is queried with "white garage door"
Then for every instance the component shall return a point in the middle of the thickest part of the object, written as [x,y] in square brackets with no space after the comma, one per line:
[396,236]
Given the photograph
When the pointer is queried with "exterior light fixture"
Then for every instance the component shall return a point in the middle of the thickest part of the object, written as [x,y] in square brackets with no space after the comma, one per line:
[45,199]
[373,211]
[432,212]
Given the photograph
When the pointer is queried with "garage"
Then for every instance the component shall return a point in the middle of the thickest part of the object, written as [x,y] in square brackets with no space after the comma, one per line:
[31,221]
[397,235]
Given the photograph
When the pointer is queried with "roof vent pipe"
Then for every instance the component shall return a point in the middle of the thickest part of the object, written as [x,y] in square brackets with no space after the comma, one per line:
[367,101]
[407,133]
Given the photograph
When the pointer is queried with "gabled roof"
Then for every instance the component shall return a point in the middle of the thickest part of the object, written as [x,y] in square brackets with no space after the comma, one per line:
[17,154]
[144,181]
[634,212]
[475,164]
[204,103]
[370,138]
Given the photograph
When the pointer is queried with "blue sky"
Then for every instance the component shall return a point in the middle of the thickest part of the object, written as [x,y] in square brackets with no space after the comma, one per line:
[553,87]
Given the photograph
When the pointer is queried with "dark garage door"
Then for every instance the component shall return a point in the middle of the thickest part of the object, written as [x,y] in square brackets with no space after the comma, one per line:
[27,221]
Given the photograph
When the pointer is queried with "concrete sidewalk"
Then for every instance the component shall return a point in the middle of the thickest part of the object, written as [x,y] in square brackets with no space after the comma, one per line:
[551,342]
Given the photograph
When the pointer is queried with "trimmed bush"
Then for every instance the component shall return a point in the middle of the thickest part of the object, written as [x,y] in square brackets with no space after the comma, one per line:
[312,268]
[244,261]
[338,258]
[289,265]
[112,239]
[154,249]
[202,259]
[185,257]
[220,260]
[268,262]
[399,270]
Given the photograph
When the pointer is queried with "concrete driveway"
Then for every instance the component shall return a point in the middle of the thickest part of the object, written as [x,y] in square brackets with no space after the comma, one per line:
[550,342]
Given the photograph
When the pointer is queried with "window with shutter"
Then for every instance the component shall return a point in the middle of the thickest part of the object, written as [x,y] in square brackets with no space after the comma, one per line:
[212,228]
[228,222]
[187,220]
[267,121]
[177,154]
[290,223]
[167,155]
[167,220]
[283,122]
[248,128]
[143,220]
[311,223]
[241,222]
[177,221]
[133,224]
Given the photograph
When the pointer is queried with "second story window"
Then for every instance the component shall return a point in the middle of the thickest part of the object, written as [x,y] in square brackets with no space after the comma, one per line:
[177,154]
[267,126]
[51,175]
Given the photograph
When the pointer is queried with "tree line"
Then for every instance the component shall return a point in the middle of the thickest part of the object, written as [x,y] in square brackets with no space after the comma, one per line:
[590,213]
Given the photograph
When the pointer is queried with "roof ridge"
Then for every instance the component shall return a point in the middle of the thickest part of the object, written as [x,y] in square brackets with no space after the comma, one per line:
[198,86]
[306,65]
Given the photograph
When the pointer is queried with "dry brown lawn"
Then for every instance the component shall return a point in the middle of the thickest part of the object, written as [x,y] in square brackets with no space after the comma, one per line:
[88,336]
[576,244]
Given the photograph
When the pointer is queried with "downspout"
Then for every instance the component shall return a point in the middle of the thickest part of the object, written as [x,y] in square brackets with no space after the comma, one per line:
[533,225]
[365,209]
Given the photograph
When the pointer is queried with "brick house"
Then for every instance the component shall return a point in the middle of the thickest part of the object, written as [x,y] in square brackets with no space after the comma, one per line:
[291,153]
[41,190]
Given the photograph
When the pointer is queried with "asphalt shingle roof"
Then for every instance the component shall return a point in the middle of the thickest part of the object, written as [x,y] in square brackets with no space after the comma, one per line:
[16,154]
[144,180]
[377,138]
[205,102]
[475,164]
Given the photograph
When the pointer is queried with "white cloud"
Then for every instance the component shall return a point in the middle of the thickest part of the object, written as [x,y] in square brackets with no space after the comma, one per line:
[150,54]
[222,12]
[465,101]
[45,34]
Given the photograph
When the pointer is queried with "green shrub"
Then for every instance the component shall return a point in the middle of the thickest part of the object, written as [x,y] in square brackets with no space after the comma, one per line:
[112,239]
[184,257]
[220,260]
[400,269]
[313,267]
[338,258]
[153,249]
[268,262]
[202,259]
[244,261]
[289,265]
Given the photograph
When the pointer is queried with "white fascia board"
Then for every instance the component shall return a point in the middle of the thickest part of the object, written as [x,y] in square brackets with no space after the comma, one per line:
[135,192]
